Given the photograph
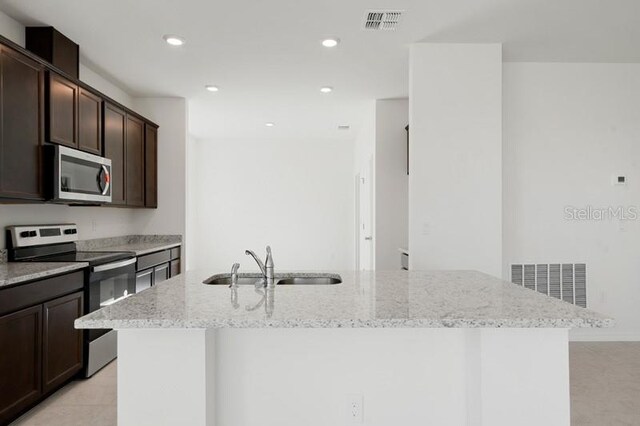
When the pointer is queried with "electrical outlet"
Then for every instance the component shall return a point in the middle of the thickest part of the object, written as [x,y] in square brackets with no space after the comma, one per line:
[94,225]
[354,408]
[426,228]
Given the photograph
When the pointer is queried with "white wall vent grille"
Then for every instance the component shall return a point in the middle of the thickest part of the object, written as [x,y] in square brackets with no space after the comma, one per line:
[566,281]
[384,20]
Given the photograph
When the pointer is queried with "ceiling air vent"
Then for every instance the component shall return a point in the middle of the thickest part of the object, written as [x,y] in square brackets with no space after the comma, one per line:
[384,20]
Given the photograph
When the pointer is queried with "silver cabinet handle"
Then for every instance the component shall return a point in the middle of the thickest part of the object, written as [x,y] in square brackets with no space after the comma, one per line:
[368,238]
[115,265]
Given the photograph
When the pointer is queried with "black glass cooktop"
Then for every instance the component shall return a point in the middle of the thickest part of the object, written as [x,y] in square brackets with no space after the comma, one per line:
[94,258]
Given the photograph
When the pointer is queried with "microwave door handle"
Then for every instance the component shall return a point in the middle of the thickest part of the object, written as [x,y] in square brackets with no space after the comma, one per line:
[114,265]
[107,179]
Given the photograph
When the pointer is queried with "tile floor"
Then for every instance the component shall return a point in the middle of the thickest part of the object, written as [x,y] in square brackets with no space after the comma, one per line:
[605,391]
[80,403]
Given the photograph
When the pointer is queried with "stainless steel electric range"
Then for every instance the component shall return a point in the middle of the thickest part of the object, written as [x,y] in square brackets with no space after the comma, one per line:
[110,277]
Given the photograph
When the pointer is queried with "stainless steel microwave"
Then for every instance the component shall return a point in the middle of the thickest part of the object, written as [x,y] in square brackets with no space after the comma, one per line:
[80,177]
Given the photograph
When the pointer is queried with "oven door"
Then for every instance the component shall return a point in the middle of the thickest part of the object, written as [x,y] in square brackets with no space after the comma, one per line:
[82,177]
[108,284]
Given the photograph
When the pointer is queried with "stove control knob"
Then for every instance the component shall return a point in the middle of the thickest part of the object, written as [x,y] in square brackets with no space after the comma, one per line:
[33,234]
[24,234]
[68,231]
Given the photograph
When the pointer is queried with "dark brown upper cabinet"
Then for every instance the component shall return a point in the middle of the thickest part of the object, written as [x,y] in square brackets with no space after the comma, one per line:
[151,165]
[114,149]
[74,116]
[134,164]
[62,113]
[21,126]
[55,48]
[89,122]
[41,102]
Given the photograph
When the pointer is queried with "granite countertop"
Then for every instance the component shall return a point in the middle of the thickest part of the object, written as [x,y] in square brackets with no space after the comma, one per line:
[138,244]
[138,248]
[428,299]
[18,272]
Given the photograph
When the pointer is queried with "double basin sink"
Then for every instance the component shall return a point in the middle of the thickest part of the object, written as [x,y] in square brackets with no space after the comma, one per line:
[282,279]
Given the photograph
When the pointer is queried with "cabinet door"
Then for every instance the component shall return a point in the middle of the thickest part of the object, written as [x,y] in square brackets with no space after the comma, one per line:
[151,165]
[175,268]
[62,115]
[62,343]
[160,273]
[89,122]
[20,361]
[144,280]
[21,126]
[134,166]
[114,149]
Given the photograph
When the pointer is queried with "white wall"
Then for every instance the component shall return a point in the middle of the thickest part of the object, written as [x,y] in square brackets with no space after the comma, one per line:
[296,195]
[391,182]
[455,182]
[172,116]
[97,222]
[568,129]
[12,29]
[364,165]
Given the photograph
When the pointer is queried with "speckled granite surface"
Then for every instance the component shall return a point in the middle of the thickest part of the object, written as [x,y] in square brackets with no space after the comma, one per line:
[17,272]
[3,255]
[462,299]
[139,244]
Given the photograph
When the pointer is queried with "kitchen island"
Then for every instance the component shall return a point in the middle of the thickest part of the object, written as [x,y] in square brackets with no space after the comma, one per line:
[404,347]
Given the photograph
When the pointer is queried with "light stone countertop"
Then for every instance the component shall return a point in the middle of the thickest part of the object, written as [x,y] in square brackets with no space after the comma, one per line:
[19,272]
[138,244]
[138,248]
[427,299]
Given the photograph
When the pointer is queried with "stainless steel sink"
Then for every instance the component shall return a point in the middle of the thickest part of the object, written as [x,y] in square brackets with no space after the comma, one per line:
[283,279]
[308,281]
[226,280]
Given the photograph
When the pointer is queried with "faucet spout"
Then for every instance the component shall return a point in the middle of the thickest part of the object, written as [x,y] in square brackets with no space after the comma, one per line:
[258,261]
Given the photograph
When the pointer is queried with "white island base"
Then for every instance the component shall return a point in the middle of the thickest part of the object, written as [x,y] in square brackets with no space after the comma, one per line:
[298,376]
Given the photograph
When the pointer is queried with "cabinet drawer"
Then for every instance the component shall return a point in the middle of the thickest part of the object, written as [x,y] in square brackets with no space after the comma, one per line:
[153,259]
[23,295]
[175,253]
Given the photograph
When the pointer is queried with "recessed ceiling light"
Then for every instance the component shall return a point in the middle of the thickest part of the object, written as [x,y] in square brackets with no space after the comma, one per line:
[173,40]
[269,124]
[326,89]
[211,88]
[330,42]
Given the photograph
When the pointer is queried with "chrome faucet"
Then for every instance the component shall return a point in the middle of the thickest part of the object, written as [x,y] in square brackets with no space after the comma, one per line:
[234,275]
[266,268]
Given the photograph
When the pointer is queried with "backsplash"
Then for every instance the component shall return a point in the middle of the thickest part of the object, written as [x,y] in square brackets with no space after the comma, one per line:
[126,239]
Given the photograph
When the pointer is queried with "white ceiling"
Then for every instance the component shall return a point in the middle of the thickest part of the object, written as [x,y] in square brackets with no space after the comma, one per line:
[266,57]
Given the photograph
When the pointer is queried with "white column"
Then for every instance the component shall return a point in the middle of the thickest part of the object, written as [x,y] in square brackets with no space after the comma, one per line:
[166,377]
[518,376]
[455,181]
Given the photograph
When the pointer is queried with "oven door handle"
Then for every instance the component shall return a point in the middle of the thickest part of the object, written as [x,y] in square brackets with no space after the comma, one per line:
[114,265]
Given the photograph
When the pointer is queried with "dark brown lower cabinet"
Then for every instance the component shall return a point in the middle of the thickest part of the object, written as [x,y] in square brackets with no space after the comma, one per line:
[20,361]
[62,354]
[175,267]
[40,349]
